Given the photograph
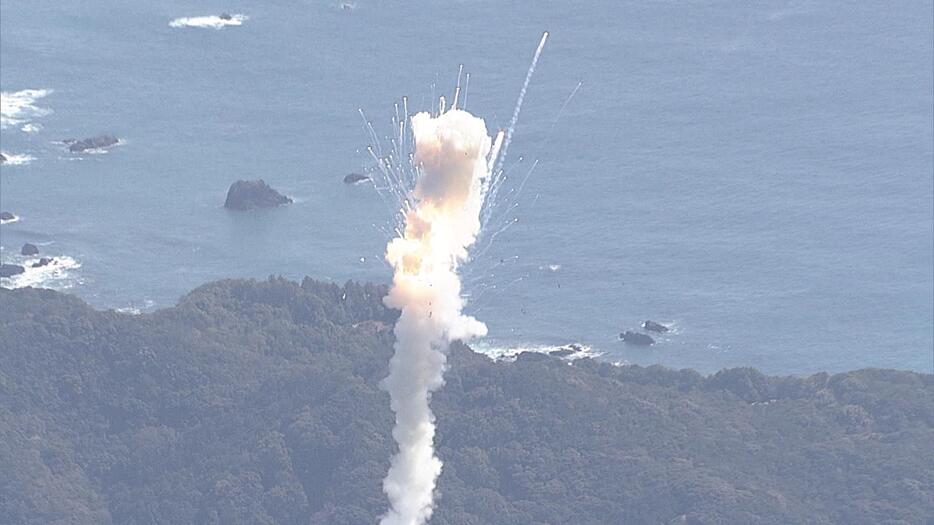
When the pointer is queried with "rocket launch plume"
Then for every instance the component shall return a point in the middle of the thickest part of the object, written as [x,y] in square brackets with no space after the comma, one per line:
[442,188]
[451,152]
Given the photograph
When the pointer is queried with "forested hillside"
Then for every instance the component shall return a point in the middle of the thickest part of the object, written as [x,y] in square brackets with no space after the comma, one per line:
[259,403]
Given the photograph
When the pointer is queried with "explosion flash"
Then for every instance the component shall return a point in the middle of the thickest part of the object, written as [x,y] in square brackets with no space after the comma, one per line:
[441,187]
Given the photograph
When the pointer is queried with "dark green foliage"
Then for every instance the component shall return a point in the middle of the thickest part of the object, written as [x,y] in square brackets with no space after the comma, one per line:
[258,403]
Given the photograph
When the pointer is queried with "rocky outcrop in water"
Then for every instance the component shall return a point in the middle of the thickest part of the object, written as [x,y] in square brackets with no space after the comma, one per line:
[249,194]
[2,158]
[45,261]
[6,216]
[9,270]
[652,326]
[99,142]
[635,338]
[567,351]
[355,178]
[29,249]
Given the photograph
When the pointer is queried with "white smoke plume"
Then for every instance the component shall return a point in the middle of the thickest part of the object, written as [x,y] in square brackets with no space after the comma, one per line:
[442,188]
[451,154]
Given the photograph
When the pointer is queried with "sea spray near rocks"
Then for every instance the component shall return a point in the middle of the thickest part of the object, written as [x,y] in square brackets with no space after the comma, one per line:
[18,107]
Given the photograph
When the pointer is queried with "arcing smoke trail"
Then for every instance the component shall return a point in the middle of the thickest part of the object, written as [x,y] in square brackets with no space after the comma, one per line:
[453,166]
[451,153]
[515,113]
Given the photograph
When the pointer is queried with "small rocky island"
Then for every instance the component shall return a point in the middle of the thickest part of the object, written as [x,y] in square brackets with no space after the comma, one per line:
[6,216]
[569,351]
[93,143]
[636,338]
[29,249]
[632,337]
[9,270]
[44,261]
[249,194]
[652,326]
[355,178]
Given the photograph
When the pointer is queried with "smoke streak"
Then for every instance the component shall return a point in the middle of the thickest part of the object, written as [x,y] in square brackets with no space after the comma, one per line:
[515,113]
[451,153]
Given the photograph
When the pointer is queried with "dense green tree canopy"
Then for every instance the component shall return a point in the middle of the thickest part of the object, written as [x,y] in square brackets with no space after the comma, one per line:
[259,402]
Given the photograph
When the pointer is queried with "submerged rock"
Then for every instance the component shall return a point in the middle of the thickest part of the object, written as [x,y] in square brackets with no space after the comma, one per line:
[355,178]
[225,16]
[248,194]
[566,351]
[45,261]
[652,326]
[29,249]
[532,357]
[2,158]
[9,270]
[99,142]
[635,338]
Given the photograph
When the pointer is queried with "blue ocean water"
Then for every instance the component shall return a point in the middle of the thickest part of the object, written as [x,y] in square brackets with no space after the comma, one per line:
[760,175]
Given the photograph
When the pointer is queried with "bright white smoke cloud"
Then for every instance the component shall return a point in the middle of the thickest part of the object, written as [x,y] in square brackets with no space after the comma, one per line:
[452,156]
[442,187]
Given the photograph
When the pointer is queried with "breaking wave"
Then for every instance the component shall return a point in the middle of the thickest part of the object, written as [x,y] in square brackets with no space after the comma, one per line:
[18,107]
[17,160]
[568,352]
[210,21]
[56,275]
[134,309]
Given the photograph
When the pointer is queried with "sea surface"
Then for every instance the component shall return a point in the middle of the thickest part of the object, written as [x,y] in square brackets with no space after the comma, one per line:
[758,175]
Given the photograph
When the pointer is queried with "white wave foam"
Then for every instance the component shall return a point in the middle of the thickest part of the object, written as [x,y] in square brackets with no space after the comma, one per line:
[102,151]
[129,310]
[568,352]
[211,21]
[10,221]
[136,310]
[19,107]
[55,275]
[13,159]
[673,329]
[31,127]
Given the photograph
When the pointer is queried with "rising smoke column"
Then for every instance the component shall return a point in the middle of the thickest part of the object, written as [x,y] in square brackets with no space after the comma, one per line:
[457,167]
[451,155]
